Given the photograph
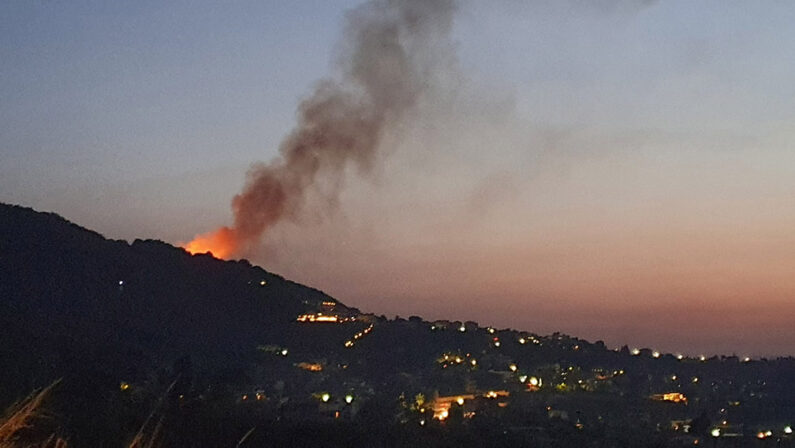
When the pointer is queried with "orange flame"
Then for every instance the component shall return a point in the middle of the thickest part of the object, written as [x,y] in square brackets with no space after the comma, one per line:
[222,243]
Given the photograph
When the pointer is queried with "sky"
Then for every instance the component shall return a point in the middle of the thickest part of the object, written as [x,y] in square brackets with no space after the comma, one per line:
[617,170]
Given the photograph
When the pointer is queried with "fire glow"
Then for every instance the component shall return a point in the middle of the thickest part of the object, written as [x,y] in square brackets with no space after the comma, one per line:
[221,243]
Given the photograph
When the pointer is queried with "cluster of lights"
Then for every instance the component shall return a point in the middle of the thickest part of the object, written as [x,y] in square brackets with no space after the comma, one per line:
[523,340]
[769,433]
[349,343]
[450,359]
[320,317]
[259,396]
[764,434]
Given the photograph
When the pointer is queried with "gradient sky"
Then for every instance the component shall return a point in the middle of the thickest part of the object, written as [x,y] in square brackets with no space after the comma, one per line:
[617,170]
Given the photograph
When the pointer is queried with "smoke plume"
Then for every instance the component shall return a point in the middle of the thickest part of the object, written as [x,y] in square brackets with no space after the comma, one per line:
[385,65]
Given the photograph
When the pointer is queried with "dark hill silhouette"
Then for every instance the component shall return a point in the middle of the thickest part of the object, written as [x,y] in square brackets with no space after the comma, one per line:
[70,298]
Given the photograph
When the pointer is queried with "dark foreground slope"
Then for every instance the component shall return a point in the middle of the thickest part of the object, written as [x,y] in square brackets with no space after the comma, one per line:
[154,343]
[77,306]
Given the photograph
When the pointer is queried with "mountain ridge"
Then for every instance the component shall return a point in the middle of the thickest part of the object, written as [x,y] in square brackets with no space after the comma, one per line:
[139,328]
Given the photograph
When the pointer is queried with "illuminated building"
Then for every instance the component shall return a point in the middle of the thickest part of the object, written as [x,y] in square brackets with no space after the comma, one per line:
[319,317]
[312,367]
[441,406]
[673,397]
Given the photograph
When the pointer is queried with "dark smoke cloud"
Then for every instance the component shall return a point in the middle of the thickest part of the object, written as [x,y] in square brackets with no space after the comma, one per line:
[385,64]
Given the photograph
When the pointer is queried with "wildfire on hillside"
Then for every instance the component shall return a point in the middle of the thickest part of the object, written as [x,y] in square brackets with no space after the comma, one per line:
[221,243]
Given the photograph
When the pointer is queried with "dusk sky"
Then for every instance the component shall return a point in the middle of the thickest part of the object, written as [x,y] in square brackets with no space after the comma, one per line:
[612,169]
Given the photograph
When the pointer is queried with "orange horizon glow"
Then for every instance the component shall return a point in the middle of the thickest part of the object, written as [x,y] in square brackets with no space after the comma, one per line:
[221,243]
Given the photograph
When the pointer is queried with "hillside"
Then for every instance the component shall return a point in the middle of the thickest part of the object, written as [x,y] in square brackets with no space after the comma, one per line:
[216,348]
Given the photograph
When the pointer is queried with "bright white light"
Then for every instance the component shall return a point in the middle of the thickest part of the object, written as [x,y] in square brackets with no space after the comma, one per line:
[473,362]
[284,352]
[715,432]
[702,358]
[462,328]
[325,397]
[788,429]
[533,381]
[460,401]
[349,398]
[497,344]
[512,367]
[523,378]
[522,340]
[656,354]
[636,351]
